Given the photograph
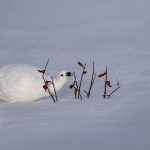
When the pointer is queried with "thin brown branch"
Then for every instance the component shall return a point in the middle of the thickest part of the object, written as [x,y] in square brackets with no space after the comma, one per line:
[92,81]
[91,86]
[118,84]
[51,95]
[81,78]
[54,89]
[44,71]
[43,77]
[76,84]
[105,84]
[77,87]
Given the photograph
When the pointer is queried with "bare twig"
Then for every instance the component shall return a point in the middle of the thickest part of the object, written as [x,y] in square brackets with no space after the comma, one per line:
[43,71]
[81,78]
[92,82]
[108,84]
[45,81]
[105,85]
[54,89]
[77,87]
[51,95]
[118,84]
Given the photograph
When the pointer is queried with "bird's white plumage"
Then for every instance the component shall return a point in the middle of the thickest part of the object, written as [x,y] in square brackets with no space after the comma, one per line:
[23,83]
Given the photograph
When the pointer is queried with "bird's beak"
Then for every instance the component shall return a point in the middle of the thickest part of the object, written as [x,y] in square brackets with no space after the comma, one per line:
[68,74]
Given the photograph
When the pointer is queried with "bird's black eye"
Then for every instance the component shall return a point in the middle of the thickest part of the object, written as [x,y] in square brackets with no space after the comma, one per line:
[61,75]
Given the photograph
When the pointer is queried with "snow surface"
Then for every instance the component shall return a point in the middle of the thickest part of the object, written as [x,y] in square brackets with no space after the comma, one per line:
[113,33]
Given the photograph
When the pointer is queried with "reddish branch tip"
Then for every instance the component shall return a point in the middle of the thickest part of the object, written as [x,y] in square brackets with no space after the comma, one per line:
[72,85]
[81,65]
[47,82]
[103,74]
[41,71]
[108,83]
[45,86]
[84,72]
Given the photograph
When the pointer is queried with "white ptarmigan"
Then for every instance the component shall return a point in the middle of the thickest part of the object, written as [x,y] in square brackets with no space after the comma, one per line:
[23,83]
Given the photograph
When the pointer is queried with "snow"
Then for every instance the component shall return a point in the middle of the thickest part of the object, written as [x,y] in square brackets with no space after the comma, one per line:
[113,33]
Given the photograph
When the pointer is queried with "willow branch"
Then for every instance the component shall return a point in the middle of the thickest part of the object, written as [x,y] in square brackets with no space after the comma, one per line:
[77,87]
[43,77]
[54,89]
[92,81]
[80,84]
[118,84]
[105,85]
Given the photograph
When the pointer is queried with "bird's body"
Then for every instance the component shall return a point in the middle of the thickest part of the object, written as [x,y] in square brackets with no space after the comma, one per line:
[24,83]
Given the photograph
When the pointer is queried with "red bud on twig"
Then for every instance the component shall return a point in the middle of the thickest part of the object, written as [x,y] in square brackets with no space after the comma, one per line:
[45,86]
[84,72]
[103,74]
[108,83]
[81,65]
[47,82]
[41,71]
[72,85]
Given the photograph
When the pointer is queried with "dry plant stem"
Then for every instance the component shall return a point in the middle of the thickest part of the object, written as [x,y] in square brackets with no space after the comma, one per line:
[51,95]
[92,81]
[74,74]
[105,85]
[91,85]
[43,77]
[113,91]
[75,84]
[54,89]
[79,89]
